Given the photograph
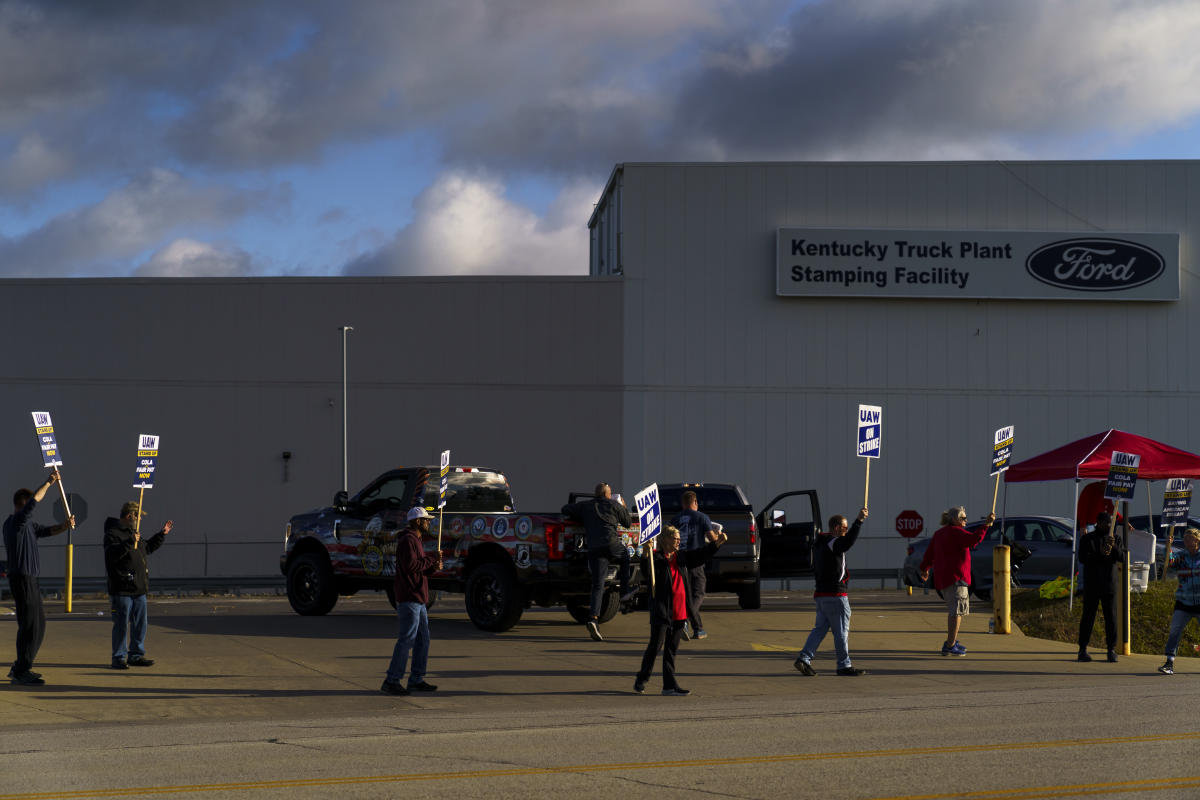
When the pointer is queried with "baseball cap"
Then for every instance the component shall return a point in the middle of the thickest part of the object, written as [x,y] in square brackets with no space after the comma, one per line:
[418,512]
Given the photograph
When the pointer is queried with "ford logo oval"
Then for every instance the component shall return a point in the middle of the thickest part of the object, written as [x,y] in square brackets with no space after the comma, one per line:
[1095,265]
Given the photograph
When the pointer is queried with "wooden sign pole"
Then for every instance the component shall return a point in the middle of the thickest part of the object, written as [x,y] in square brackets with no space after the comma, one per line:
[867,485]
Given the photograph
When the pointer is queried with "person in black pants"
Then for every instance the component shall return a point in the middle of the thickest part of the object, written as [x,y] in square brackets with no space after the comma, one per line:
[24,566]
[1098,552]
[669,606]
[601,517]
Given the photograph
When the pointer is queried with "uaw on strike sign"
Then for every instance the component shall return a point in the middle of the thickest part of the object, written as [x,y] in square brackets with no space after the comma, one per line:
[870,431]
[147,460]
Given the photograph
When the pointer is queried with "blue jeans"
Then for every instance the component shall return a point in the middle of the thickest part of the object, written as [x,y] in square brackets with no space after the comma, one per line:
[1179,621]
[129,624]
[833,614]
[412,633]
[598,558]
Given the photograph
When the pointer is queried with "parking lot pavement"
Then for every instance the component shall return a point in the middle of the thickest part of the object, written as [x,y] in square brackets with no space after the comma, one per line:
[251,657]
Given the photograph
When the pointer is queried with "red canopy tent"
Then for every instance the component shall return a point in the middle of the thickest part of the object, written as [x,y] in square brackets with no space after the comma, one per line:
[1090,457]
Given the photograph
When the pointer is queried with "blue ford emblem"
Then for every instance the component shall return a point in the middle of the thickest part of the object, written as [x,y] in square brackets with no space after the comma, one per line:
[1095,265]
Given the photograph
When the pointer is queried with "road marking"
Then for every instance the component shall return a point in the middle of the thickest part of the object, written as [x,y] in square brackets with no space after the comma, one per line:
[580,769]
[770,648]
[1068,790]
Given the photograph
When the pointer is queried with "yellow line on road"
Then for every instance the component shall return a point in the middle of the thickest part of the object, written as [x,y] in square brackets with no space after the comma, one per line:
[1067,790]
[687,764]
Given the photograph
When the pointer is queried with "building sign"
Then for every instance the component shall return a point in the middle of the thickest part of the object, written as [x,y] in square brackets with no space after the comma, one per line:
[1009,265]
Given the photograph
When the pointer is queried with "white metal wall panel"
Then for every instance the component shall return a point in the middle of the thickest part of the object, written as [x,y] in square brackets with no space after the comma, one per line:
[787,373]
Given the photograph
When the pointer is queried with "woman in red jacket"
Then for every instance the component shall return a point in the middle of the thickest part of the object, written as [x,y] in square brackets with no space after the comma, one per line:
[949,553]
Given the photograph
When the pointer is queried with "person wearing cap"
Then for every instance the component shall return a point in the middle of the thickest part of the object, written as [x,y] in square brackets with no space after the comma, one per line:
[128,582]
[949,555]
[413,568]
[1187,596]
[1099,552]
[601,517]
[24,566]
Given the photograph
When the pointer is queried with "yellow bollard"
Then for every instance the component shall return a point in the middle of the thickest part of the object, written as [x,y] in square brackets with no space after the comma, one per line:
[1001,589]
[910,591]
[70,575]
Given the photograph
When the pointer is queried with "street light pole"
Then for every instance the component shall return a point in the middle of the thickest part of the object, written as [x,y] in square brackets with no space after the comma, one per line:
[345,459]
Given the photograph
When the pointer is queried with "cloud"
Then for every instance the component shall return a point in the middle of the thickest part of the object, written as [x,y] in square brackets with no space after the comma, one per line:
[99,238]
[33,163]
[187,258]
[465,224]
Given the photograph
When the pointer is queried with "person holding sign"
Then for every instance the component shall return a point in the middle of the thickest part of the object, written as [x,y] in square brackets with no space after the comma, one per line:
[601,517]
[1187,596]
[949,554]
[833,602]
[24,567]
[1099,552]
[128,582]
[413,568]
[669,606]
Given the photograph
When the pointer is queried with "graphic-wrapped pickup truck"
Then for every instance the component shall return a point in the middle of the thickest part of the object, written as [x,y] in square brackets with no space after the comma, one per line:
[502,560]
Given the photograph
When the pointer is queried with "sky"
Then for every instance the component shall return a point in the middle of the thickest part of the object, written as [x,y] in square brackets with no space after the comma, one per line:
[230,138]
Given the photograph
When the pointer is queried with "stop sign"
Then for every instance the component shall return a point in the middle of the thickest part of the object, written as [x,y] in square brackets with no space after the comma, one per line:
[909,524]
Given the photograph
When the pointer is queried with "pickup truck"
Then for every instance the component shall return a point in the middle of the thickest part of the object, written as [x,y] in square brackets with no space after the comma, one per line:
[502,560]
[766,544]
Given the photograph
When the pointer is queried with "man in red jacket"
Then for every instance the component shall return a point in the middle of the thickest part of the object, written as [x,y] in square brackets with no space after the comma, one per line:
[412,617]
[949,552]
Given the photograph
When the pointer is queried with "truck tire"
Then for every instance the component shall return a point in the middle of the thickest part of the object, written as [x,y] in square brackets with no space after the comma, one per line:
[580,612]
[750,597]
[310,586]
[494,600]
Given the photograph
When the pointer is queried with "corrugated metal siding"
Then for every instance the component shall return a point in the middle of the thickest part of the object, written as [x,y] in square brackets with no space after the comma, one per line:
[726,381]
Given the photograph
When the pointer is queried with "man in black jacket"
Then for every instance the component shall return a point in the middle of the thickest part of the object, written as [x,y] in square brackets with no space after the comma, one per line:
[831,595]
[601,517]
[669,606]
[1099,551]
[128,581]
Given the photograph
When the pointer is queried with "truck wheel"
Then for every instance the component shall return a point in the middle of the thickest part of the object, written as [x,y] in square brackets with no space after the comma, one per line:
[494,601]
[609,606]
[310,586]
[580,612]
[750,597]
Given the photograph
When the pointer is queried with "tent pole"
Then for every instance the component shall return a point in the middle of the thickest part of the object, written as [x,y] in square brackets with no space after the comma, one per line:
[1074,543]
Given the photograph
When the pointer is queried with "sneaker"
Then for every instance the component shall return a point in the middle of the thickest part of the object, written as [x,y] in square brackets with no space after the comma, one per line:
[700,634]
[687,632]
[119,663]
[594,631]
[140,661]
[27,678]
[639,686]
[31,672]
[392,688]
[955,649]
[1112,656]
[851,671]
[423,686]
[1168,668]
[804,667]
[1083,656]
[676,692]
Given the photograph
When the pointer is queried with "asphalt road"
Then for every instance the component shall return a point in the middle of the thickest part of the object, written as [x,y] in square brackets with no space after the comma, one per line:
[249,700]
